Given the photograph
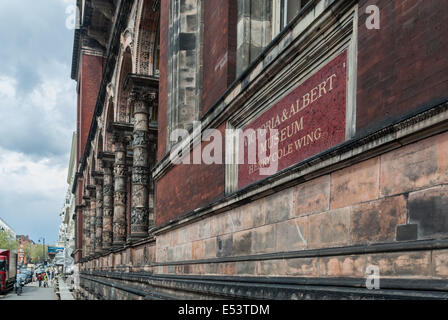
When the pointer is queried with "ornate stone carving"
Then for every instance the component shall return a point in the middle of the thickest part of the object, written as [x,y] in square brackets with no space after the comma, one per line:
[119,216]
[142,104]
[141,138]
[108,189]
[92,195]
[140,175]
[99,216]
[86,229]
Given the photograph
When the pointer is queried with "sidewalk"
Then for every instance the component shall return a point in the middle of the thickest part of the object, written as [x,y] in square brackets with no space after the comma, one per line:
[32,291]
[64,292]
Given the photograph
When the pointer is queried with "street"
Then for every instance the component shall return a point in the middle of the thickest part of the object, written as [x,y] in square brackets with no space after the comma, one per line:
[32,292]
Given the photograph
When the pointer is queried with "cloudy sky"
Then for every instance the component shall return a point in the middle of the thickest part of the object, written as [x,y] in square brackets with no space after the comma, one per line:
[37,114]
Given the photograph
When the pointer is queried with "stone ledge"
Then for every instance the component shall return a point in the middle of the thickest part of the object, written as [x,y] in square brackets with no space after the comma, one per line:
[268,288]
[325,252]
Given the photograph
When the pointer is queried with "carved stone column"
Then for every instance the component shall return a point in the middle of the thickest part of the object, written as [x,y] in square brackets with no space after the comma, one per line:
[92,194]
[119,218]
[140,169]
[86,226]
[79,232]
[99,213]
[108,202]
[144,105]
[152,161]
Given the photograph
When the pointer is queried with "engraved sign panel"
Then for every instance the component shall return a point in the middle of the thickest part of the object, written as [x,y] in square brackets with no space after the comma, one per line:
[307,121]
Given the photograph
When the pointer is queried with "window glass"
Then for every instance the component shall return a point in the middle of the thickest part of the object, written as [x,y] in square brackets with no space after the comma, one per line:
[292,8]
[2,265]
[259,22]
[283,12]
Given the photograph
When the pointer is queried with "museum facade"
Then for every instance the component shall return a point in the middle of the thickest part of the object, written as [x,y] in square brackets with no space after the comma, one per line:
[261,149]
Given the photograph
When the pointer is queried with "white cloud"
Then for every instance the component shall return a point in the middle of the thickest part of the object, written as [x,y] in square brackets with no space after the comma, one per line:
[22,175]
[41,121]
[7,87]
[37,113]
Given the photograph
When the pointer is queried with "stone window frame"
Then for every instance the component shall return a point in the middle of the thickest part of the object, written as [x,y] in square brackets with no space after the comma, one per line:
[156,53]
[174,46]
[279,18]
[259,23]
[315,54]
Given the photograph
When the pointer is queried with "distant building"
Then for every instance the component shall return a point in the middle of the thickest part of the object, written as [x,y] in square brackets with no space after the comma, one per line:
[24,239]
[5,227]
[66,236]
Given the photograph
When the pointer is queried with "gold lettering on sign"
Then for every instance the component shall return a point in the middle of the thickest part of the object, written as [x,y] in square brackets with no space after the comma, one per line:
[292,129]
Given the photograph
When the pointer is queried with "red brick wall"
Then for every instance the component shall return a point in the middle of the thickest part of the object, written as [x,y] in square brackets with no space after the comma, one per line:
[78,132]
[90,80]
[404,65]
[401,67]
[187,187]
[163,84]
[219,50]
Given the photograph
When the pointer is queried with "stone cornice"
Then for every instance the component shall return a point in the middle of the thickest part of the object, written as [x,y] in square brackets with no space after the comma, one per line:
[139,83]
[107,158]
[122,129]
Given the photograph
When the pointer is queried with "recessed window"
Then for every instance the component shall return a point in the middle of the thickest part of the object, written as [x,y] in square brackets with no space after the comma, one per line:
[259,22]
[184,65]
[283,12]
[156,54]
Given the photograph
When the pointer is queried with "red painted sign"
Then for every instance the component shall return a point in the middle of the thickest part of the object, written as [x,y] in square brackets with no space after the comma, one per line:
[306,122]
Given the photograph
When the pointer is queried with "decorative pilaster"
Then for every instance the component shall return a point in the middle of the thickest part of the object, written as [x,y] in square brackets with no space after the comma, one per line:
[79,232]
[119,216]
[140,169]
[86,226]
[144,105]
[108,202]
[92,194]
[99,214]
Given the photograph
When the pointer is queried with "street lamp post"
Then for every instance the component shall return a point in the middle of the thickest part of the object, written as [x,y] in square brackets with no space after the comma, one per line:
[43,248]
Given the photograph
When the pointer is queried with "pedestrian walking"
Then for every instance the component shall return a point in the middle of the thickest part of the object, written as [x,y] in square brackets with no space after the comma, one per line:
[39,278]
[45,281]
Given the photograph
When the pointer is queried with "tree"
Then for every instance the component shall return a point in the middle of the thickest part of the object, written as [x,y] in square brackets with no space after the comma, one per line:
[7,241]
[37,253]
